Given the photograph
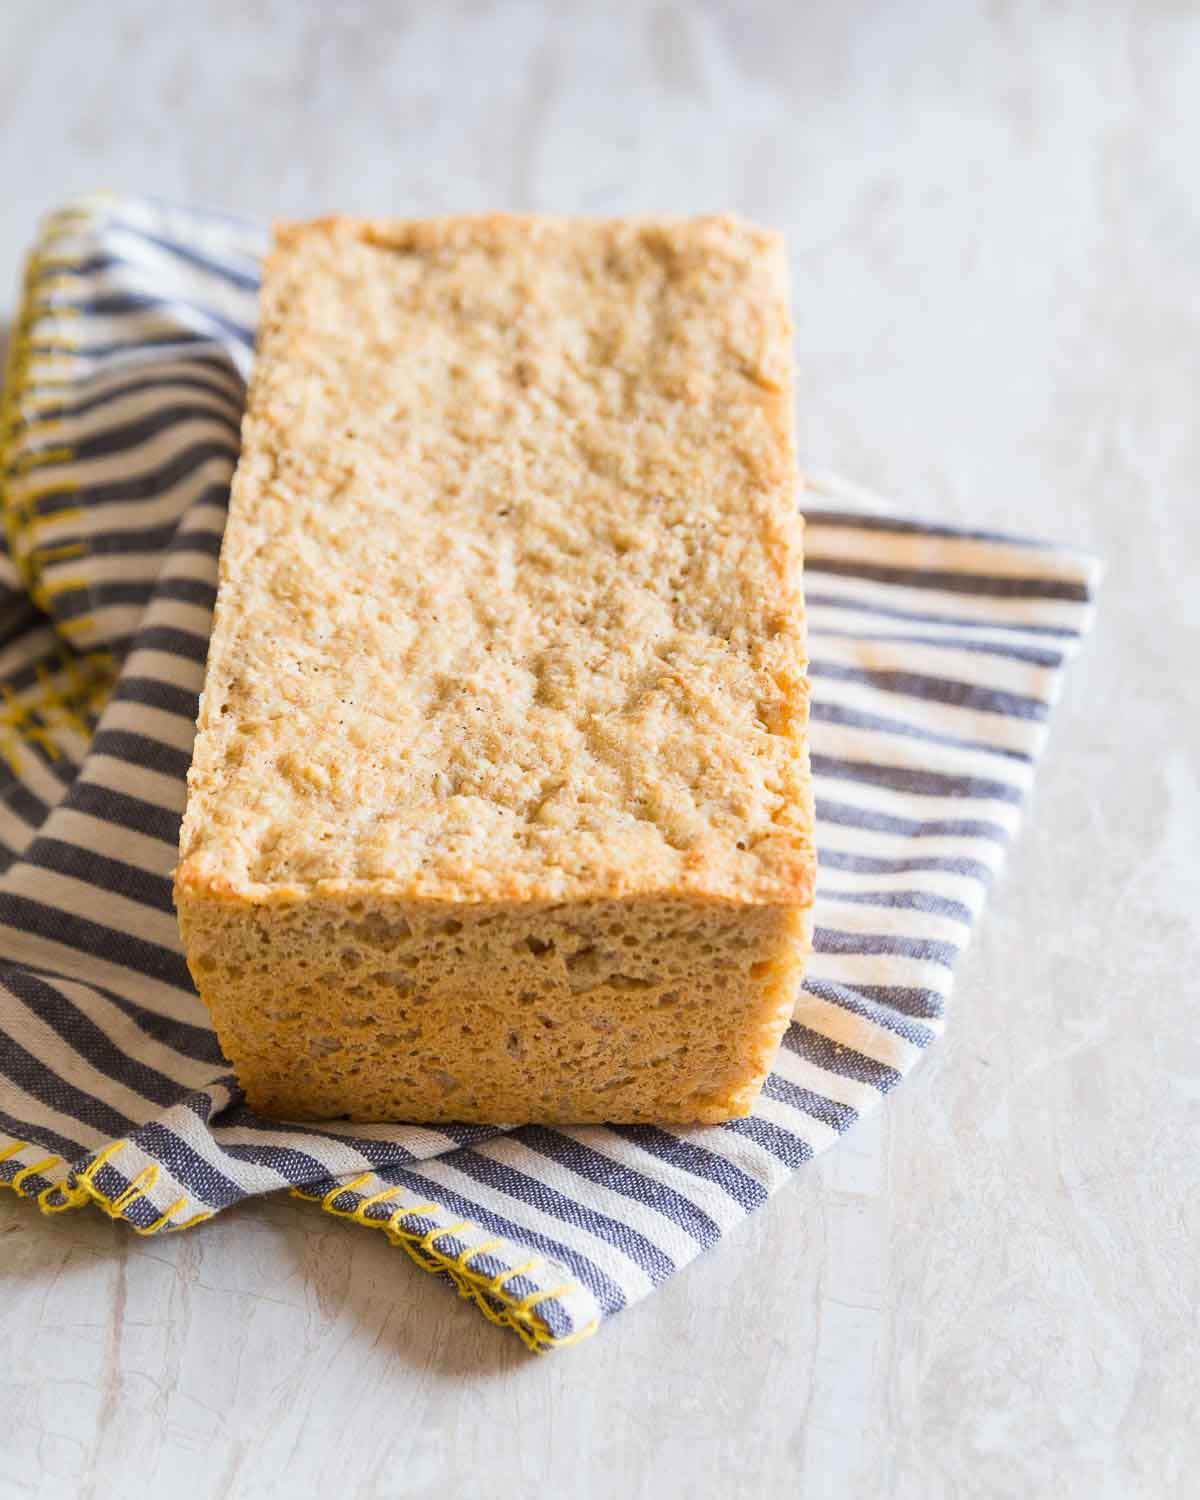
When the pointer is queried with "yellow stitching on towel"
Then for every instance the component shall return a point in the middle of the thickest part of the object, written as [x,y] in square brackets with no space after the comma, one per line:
[84,1190]
[33,496]
[20,357]
[50,404]
[50,341]
[80,212]
[469,1254]
[51,374]
[99,1160]
[33,363]
[72,584]
[17,1183]
[486,1292]
[18,717]
[138,1188]
[42,427]
[71,1198]
[52,264]
[187,1223]
[385,1197]
[427,1240]
[50,308]
[346,1187]
[41,458]
[416,1211]
[497,1281]
[534,1298]
[63,551]
[60,704]
[63,513]
[55,706]
[88,689]
[61,1196]
[162,1219]
[56,274]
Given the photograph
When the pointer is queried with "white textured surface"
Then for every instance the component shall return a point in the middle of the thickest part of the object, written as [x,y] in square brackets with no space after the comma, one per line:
[991,1289]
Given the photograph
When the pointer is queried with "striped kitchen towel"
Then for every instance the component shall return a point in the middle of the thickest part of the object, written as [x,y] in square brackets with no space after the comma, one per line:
[936,656]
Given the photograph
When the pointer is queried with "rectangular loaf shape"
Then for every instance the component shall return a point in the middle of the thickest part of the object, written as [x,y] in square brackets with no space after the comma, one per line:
[500,806]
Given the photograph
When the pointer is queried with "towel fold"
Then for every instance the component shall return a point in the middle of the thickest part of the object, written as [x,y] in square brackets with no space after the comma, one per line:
[936,656]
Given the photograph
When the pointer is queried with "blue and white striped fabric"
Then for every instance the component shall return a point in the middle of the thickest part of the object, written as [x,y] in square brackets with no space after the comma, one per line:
[937,654]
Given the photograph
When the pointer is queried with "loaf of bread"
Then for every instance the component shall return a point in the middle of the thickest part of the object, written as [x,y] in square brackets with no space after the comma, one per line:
[500,806]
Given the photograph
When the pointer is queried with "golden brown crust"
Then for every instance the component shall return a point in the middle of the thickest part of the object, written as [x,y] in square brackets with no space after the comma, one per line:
[510,605]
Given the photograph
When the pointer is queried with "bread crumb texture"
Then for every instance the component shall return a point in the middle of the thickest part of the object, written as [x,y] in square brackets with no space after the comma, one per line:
[499,806]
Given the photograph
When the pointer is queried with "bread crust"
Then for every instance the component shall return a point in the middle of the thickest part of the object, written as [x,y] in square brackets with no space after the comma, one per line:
[509,624]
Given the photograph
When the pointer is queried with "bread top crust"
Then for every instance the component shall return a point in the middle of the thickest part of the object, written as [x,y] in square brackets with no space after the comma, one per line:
[510,599]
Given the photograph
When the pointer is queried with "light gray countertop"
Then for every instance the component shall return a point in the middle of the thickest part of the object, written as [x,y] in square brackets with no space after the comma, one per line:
[991,1288]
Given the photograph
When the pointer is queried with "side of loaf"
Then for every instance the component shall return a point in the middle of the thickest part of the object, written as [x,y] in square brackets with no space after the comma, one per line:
[500,807]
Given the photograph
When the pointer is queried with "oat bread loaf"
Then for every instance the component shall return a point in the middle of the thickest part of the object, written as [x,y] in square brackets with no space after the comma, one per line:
[500,806]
